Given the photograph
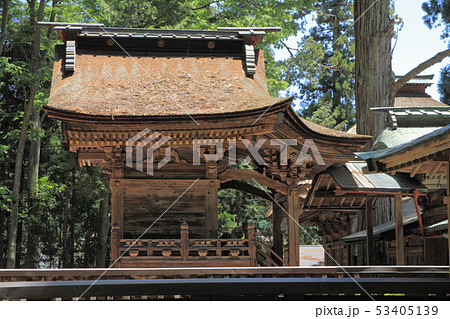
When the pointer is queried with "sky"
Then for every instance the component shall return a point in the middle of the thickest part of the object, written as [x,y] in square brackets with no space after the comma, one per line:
[416,43]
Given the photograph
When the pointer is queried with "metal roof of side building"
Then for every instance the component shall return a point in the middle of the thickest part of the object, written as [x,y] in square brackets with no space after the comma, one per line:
[350,176]
[414,119]
[442,134]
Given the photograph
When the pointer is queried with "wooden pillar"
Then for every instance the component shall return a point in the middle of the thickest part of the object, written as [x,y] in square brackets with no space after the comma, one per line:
[399,241]
[211,209]
[116,219]
[369,231]
[252,245]
[184,236]
[117,229]
[293,227]
[448,209]
[117,206]
[115,245]
[277,218]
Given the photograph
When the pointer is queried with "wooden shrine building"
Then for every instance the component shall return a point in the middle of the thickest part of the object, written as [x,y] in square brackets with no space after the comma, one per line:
[407,169]
[166,113]
[339,194]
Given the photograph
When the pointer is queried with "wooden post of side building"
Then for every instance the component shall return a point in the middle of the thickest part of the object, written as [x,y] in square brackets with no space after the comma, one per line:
[399,241]
[252,245]
[369,231]
[448,208]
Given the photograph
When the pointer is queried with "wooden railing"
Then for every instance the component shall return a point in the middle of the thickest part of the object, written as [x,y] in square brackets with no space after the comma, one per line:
[267,256]
[184,250]
[179,252]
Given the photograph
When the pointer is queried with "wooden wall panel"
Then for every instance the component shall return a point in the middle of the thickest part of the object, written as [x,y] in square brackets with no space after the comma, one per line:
[143,208]
[435,251]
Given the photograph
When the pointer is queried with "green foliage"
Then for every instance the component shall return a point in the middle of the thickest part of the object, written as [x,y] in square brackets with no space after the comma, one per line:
[246,207]
[444,85]
[227,222]
[309,235]
[321,68]
[137,14]
[437,14]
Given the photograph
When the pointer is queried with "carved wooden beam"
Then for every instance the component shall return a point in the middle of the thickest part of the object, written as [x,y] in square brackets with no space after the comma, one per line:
[249,175]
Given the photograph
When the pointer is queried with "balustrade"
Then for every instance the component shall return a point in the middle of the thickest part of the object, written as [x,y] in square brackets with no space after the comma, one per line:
[185,249]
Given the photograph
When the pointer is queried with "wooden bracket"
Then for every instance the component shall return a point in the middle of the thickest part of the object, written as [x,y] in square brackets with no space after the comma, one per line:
[250,60]
[69,63]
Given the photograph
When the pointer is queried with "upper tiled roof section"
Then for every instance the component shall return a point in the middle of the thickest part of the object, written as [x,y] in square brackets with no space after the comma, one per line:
[425,116]
[419,80]
[415,87]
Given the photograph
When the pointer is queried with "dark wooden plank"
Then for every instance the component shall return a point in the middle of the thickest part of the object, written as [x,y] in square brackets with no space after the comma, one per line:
[400,245]
[369,231]
[227,287]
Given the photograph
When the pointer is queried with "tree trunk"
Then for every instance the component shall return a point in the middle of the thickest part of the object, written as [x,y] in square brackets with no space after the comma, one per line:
[336,73]
[33,238]
[19,243]
[100,259]
[2,229]
[31,260]
[373,71]
[4,21]
[12,240]
[65,230]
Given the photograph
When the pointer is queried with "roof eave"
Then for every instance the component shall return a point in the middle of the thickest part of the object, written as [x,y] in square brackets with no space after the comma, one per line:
[72,116]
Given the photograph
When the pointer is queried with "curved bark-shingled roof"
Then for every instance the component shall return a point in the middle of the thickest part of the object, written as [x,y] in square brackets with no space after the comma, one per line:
[157,86]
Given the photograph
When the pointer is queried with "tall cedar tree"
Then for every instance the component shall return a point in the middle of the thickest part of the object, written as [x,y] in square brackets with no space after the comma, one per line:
[322,67]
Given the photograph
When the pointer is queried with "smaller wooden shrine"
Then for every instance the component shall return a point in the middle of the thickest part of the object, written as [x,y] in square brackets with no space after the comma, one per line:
[336,198]
[407,169]
[166,113]
[417,142]
[427,155]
